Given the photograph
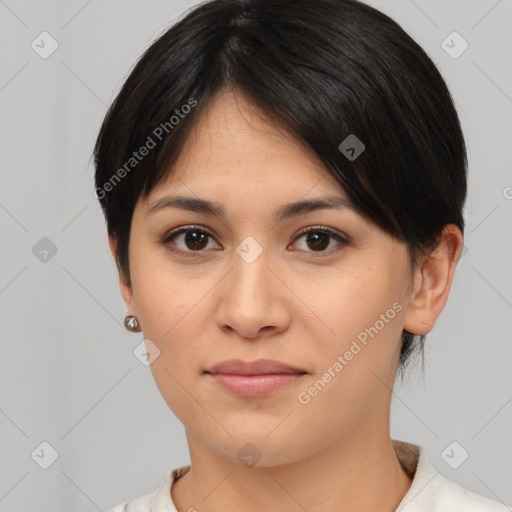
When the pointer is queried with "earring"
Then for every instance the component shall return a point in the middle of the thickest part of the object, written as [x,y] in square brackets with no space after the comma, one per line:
[132,324]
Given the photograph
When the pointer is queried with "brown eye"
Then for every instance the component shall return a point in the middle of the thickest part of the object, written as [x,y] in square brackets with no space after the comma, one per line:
[193,240]
[187,240]
[196,240]
[318,239]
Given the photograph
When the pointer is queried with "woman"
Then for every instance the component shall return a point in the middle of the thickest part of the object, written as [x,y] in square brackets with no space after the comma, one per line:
[283,185]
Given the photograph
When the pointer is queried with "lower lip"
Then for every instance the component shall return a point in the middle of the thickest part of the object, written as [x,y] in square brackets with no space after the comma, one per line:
[255,385]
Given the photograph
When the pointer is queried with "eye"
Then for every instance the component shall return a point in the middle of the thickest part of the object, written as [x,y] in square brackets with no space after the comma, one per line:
[319,238]
[193,239]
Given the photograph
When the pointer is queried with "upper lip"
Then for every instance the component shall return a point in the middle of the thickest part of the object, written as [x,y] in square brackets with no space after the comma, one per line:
[258,367]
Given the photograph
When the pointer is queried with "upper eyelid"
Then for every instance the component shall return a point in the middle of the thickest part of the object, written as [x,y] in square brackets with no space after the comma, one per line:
[319,227]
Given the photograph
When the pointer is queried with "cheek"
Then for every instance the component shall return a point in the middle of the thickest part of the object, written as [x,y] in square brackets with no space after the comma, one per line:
[361,321]
[344,307]
[171,306]
[162,297]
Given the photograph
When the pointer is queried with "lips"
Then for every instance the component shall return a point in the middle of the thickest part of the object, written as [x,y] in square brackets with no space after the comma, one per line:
[254,379]
[259,367]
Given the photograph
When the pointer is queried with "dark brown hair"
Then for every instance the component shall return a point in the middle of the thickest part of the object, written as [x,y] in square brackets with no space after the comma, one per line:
[324,69]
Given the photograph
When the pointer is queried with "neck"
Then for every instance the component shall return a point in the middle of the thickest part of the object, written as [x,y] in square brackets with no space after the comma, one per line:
[361,472]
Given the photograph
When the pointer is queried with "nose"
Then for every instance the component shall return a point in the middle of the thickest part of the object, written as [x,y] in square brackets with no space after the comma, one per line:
[254,301]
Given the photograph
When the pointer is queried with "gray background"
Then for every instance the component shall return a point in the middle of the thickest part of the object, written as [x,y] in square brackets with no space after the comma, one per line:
[67,372]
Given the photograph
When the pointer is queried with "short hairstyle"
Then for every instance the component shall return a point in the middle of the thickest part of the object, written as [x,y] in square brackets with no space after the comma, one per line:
[323,69]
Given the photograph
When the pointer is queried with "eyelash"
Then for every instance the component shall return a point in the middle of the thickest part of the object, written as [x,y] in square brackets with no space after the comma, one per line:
[194,254]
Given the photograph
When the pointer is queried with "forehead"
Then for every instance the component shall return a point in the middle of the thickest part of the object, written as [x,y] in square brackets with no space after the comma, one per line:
[235,144]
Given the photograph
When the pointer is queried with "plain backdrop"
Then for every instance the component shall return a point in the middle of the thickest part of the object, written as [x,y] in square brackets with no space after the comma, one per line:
[72,394]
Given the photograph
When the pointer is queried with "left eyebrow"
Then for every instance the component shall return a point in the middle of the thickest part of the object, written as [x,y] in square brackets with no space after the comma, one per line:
[284,212]
[310,205]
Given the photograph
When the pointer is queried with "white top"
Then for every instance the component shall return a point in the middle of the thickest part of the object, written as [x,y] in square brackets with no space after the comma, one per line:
[429,492]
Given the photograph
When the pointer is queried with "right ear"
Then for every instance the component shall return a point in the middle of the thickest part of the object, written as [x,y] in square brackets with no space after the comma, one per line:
[126,289]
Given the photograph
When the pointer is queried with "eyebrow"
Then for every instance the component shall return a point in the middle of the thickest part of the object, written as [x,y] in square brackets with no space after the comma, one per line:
[197,205]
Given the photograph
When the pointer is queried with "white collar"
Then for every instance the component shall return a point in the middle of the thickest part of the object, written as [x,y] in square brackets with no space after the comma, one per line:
[429,492]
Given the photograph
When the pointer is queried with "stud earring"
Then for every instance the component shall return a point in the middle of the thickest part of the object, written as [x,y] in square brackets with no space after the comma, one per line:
[132,324]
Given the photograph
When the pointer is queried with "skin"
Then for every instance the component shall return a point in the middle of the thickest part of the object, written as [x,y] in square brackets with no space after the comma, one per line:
[294,303]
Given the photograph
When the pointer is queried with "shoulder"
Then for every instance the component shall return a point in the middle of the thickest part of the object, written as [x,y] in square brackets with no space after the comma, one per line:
[158,500]
[140,504]
[452,496]
[431,491]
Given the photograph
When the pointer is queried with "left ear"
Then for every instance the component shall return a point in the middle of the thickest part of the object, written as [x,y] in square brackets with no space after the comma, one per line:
[432,282]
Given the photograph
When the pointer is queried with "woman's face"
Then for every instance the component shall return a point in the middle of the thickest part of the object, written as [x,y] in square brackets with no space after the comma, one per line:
[254,287]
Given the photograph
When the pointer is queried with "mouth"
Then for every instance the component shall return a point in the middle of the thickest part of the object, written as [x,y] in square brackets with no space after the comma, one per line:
[254,378]
[258,367]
